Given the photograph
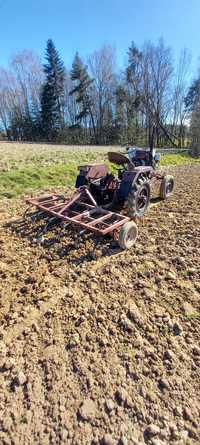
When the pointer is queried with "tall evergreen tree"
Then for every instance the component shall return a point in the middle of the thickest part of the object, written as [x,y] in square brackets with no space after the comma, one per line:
[192,96]
[52,97]
[195,126]
[192,106]
[82,81]
[133,80]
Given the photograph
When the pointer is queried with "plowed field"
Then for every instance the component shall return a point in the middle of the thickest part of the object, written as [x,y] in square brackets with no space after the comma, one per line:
[102,346]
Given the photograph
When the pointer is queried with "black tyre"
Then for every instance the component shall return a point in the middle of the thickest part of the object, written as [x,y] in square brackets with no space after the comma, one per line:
[128,235]
[166,187]
[138,199]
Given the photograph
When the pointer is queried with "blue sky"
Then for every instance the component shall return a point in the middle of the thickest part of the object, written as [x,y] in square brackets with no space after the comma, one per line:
[85,25]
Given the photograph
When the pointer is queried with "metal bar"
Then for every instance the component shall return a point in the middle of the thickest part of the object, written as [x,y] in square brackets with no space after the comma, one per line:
[56,206]
[114,226]
[70,202]
[60,205]
[36,201]
[102,218]
[44,200]
[88,213]
[79,216]
[91,197]
[85,204]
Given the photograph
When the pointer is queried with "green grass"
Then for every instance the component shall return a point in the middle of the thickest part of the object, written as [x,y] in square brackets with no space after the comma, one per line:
[23,419]
[178,159]
[190,317]
[26,168]
[17,182]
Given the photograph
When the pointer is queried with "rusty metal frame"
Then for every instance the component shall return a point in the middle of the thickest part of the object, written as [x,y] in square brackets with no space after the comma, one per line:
[61,207]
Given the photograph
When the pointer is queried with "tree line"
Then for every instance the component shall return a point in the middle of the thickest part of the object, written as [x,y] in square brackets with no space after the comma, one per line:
[149,102]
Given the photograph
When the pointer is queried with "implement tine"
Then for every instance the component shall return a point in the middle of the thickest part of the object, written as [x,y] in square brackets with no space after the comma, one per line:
[51,222]
[38,215]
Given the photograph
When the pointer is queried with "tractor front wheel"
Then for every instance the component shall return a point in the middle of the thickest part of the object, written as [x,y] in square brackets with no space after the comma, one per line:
[128,235]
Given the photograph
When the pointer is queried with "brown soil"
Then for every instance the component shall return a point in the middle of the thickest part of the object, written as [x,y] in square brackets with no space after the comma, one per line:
[102,348]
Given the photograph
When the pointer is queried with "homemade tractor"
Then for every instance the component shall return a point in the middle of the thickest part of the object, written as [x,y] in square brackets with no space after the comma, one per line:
[105,203]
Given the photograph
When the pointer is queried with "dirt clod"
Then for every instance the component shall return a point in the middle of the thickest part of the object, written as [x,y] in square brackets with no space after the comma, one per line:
[108,440]
[110,405]
[152,430]
[87,410]
[19,379]
[196,350]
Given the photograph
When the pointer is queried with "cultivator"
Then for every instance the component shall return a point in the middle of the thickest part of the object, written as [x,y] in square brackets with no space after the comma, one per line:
[81,210]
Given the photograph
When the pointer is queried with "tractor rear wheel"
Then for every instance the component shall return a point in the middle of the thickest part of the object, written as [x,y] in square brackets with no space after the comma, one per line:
[138,199]
[128,235]
[166,186]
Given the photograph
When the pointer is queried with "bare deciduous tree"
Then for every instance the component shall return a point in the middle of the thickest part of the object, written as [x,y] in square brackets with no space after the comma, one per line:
[102,68]
[179,111]
[20,89]
[8,95]
[156,87]
[27,69]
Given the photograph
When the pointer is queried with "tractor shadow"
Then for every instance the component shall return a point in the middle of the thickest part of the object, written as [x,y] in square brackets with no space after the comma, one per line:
[62,240]
[155,200]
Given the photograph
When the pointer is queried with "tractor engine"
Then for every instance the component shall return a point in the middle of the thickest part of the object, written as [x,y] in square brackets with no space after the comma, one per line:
[143,157]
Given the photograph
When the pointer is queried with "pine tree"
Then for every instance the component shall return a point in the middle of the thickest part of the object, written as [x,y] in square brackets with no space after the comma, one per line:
[82,80]
[192,104]
[52,116]
[133,92]
[192,95]
[195,128]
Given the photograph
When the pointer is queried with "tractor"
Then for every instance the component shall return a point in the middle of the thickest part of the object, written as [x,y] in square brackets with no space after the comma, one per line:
[131,189]
[107,203]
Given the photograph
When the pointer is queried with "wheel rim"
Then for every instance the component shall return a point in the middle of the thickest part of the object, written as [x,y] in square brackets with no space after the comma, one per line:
[142,199]
[169,186]
[130,237]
